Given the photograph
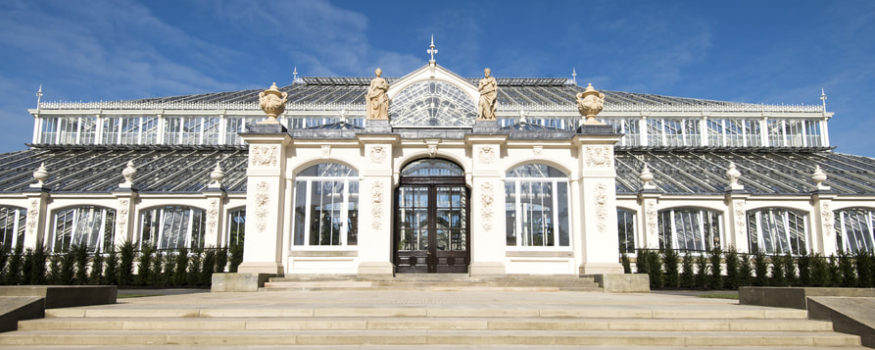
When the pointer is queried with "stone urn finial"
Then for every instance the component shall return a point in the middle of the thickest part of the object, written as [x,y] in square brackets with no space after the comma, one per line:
[217,175]
[129,173]
[523,120]
[273,102]
[40,175]
[819,177]
[646,178]
[590,103]
[733,175]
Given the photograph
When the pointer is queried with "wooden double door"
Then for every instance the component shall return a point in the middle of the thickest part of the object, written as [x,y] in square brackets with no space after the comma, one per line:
[431,225]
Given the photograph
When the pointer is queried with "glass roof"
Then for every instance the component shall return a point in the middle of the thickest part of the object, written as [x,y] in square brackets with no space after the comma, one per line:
[432,103]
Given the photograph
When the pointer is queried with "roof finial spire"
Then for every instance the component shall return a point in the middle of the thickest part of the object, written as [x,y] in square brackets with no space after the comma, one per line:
[574,75]
[39,95]
[295,75]
[431,50]
[823,99]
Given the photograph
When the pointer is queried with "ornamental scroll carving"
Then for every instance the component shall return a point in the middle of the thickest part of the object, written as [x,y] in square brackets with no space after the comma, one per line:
[212,216]
[32,215]
[601,202]
[263,155]
[740,227]
[377,205]
[486,203]
[487,154]
[826,215]
[378,154]
[262,198]
[123,215]
[598,156]
[651,216]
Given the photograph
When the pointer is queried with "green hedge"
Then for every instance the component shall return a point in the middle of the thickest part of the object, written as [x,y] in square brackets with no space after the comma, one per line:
[706,269]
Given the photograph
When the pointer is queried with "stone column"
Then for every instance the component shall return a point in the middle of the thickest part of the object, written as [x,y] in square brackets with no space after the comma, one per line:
[265,199]
[125,220]
[215,235]
[598,191]
[487,232]
[37,217]
[736,222]
[823,235]
[375,205]
[649,218]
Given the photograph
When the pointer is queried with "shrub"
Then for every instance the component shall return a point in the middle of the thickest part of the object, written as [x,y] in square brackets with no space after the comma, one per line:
[222,260]
[4,258]
[209,267]
[654,270]
[126,264]
[790,270]
[68,260]
[13,272]
[80,255]
[169,268]
[640,261]
[38,274]
[745,274]
[236,257]
[55,269]
[701,271]
[624,259]
[670,262]
[687,271]
[179,275]
[156,277]
[803,263]
[819,271]
[715,278]
[144,265]
[864,269]
[27,267]
[732,281]
[846,266]
[778,271]
[97,269]
[111,273]
[833,274]
[194,268]
[761,268]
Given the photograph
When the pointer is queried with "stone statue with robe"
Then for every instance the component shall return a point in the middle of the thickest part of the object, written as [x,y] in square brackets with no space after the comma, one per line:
[488,92]
[377,99]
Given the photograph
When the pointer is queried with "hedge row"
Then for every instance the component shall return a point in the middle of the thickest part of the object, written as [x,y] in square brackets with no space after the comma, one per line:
[669,270]
[154,268]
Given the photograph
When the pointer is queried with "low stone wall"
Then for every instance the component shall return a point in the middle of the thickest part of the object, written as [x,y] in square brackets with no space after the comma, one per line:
[65,296]
[848,315]
[623,283]
[13,309]
[239,282]
[795,297]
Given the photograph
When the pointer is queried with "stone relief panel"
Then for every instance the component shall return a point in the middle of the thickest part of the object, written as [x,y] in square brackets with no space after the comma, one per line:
[739,215]
[124,207]
[598,156]
[263,156]
[378,154]
[601,202]
[487,154]
[486,202]
[262,200]
[827,218]
[32,216]
[650,215]
[377,205]
[212,217]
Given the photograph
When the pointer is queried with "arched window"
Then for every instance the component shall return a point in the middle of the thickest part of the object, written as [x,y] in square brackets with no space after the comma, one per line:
[12,222]
[536,206]
[689,229]
[777,231]
[855,229]
[90,226]
[432,103]
[326,206]
[173,227]
[626,228]
[236,227]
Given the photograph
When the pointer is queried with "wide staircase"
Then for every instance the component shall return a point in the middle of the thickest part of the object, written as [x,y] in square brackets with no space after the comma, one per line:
[424,313]
[434,282]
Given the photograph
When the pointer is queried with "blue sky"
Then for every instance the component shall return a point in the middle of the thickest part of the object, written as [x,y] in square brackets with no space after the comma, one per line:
[750,51]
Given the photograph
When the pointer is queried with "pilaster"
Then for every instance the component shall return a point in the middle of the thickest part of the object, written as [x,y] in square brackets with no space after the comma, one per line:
[598,192]
[215,236]
[125,220]
[649,220]
[823,237]
[37,216]
[375,205]
[736,223]
[487,204]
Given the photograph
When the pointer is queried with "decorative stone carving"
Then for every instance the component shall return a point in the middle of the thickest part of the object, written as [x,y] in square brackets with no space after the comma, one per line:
[827,217]
[598,156]
[740,217]
[523,120]
[378,154]
[733,175]
[40,175]
[32,216]
[326,151]
[589,103]
[129,173]
[487,154]
[486,203]
[262,199]
[217,175]
[263,155]
[377,100]
[646,178]
[488,88]
[819,176]
[650,214]
[212,217]
[273,102]
[601,202]
[538,151]
[124,207]
[432,150]
[377,205]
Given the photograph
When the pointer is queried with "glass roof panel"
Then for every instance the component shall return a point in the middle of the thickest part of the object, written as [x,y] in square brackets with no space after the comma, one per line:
[432,103]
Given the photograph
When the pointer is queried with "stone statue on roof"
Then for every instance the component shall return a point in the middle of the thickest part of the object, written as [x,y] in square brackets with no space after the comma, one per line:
[377,101]
[488,92]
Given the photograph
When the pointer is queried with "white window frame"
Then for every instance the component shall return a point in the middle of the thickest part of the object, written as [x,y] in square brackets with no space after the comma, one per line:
[555,215]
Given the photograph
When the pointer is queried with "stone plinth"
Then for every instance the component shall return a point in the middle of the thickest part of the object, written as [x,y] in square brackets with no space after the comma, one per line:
[239,282]
[623,283]
[794,297]
[65,296]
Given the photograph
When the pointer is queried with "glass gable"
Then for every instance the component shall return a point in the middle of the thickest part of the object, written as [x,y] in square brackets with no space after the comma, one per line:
[432,103]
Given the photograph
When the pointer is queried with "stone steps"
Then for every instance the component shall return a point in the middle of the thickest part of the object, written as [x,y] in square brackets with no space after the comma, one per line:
[437,282]
[414,337]
[406,323]
[399,347]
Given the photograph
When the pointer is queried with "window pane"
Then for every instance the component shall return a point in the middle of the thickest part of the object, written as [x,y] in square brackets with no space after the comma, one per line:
[782,231]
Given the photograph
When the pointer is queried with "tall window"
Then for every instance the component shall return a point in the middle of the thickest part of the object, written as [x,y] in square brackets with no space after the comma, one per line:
[673,132]
[89,226]
[536,206]
[172,227]
[235,125]
[626,228]
[12,226]
[629,128]
[777,231]
[236,227]
[855,229]
[326,206]
[689,229]
[734,132]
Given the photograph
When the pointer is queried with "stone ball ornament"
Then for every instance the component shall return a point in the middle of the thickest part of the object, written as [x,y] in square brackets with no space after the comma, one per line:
[590,103]
[273,102]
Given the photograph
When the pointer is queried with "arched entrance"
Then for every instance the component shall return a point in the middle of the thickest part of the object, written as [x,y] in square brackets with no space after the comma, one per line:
[431,218]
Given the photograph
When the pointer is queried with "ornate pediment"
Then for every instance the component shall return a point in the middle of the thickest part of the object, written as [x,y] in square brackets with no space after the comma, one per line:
[432,96]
